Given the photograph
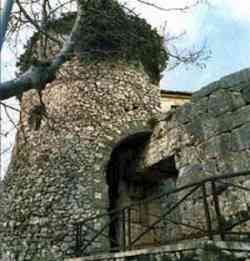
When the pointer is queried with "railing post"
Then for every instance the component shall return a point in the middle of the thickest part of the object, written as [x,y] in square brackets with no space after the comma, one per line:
[124,229]
[78,240]
[207,213]
[129,228]
[217,211]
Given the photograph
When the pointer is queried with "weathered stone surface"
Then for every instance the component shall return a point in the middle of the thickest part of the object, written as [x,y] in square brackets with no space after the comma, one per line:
[217,123]
[184,114]
[199,107]
[195,130]
[206,91]
[219,102]
[238,161]
[237,80]
[213,139]
[241,138]
[218,146]
[246,93]
[57,176]
[201,250]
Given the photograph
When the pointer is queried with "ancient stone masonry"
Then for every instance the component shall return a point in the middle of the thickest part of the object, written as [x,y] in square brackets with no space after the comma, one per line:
[202,250]
[57,176]
[210,132]
[207,137]
[93,142]
[92,124]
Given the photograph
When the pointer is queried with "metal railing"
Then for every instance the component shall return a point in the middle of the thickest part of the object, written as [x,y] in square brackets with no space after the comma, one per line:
[215,208]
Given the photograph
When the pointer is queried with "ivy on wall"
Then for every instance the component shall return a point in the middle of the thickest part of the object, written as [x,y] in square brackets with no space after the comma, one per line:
[110,31]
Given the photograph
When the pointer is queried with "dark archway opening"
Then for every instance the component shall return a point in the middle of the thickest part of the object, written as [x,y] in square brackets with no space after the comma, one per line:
[121,171]
[126,185]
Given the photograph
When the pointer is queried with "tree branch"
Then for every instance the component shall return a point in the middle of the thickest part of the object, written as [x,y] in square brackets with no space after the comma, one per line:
[4,20]
[31,21]
[42,73]
[174,9]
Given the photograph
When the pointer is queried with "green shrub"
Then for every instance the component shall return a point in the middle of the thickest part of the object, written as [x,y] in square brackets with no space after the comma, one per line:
[110,31]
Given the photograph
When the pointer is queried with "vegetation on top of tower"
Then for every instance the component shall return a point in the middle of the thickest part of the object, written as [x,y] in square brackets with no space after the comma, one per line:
[110,30]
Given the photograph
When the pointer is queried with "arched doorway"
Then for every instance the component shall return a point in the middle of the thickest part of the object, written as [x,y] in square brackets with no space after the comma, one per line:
[121,173]
[128,186]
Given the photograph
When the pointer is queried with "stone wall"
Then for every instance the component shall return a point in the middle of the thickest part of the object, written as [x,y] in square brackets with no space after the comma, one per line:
[209,136]
[186,251]
[57,176]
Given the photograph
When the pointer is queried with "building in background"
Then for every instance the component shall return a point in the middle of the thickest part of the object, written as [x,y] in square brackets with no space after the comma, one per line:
[173,99]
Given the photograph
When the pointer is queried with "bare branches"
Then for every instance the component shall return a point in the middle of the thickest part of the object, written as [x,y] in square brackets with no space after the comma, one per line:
[172,9]
[42,73]
[33,22]
[9,125]
[10,107]
[9,117]
[192,56]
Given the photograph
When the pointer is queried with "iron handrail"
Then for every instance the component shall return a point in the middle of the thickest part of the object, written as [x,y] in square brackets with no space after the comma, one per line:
[174,191]
[222,229]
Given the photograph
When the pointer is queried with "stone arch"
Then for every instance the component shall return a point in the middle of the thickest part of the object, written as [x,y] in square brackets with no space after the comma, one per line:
[155,180]
[132,129]
[121,159]
[134,140]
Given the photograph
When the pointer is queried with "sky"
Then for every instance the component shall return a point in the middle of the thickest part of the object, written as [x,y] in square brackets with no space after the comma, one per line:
[224,25]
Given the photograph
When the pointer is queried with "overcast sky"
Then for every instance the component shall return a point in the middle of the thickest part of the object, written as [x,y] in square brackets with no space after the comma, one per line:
[224,25]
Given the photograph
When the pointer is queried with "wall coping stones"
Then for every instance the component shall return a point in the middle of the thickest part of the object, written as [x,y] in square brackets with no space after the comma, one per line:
[184,246]
[228,81]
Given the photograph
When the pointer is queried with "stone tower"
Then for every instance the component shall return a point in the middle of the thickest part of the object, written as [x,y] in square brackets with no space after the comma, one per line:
[57,176]
[103,97]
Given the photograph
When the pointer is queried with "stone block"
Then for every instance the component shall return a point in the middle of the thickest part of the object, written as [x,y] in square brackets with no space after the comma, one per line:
[205,91]
[200,108]
[218,146]
[245,75]
[195,129]
[185,157]
[190,174]
[219,103]
[236,78]
[210,126]
[239,117]
[184,113]
[246,93]
[241,138]
[237,100]
[240,161]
